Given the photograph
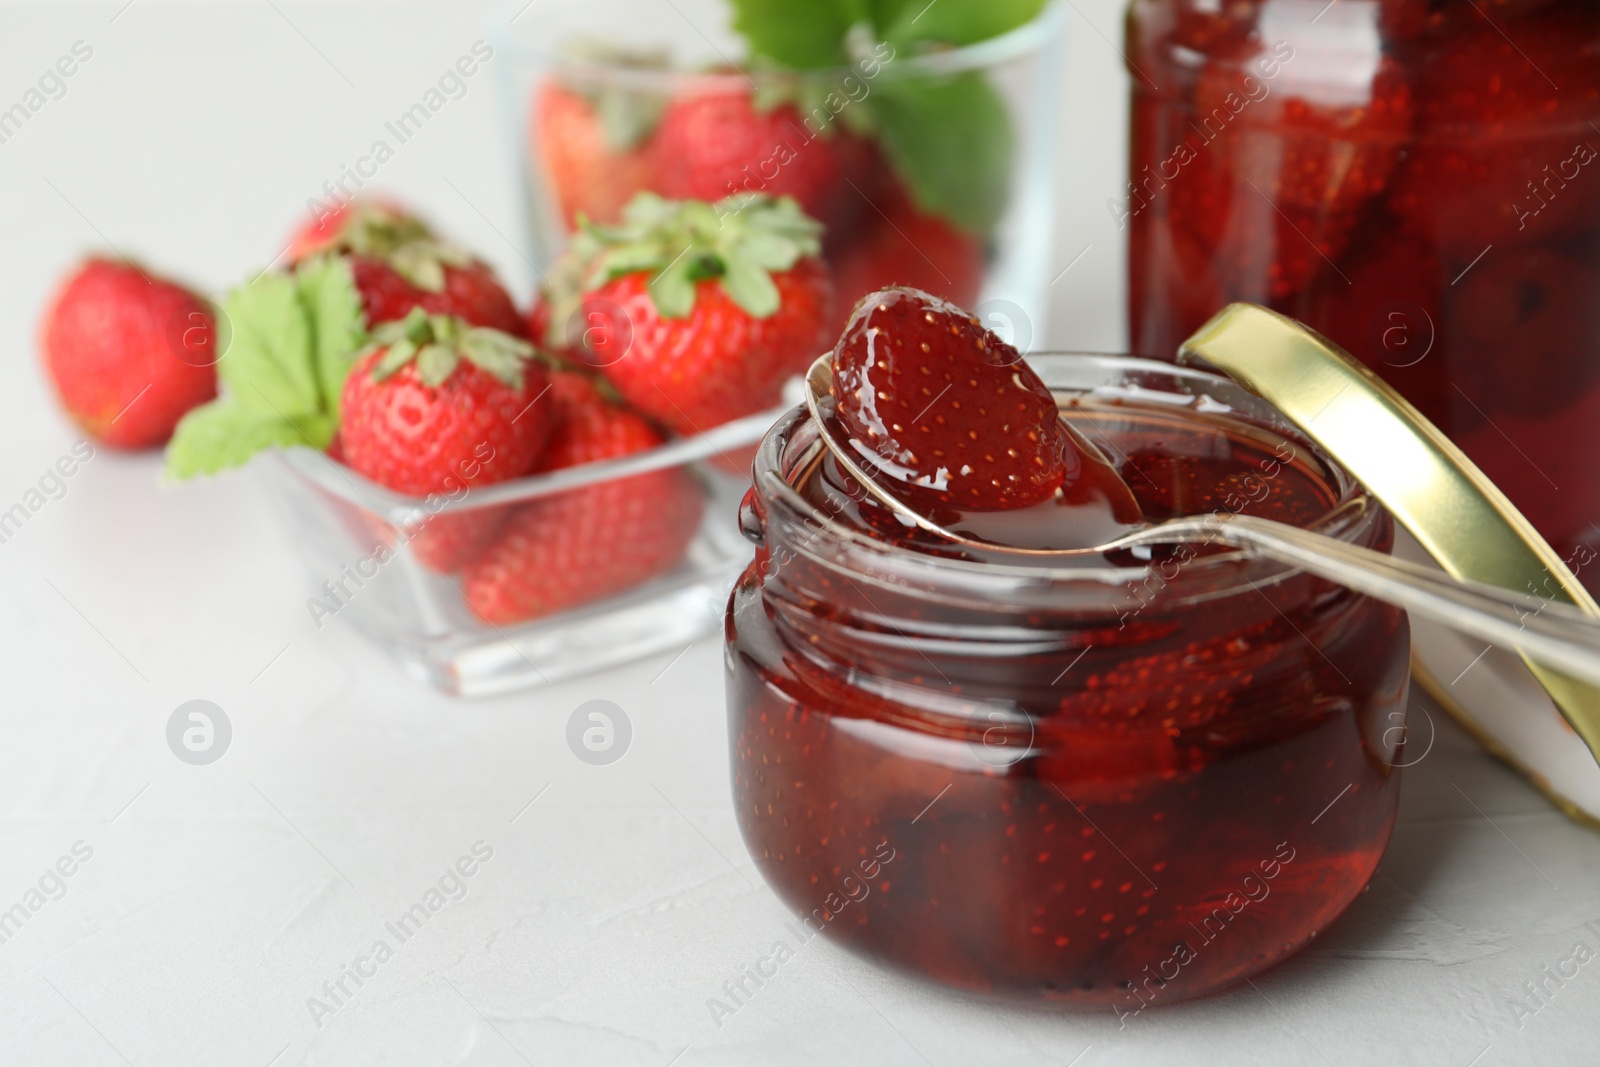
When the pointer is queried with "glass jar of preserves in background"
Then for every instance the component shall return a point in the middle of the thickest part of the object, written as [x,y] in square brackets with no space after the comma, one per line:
[1417,179]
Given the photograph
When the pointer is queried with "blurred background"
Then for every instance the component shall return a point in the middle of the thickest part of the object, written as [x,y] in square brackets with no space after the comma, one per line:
[615,902]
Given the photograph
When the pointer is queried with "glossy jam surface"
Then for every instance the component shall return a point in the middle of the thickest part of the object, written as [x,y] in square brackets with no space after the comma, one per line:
[1407,178]
[1156,789]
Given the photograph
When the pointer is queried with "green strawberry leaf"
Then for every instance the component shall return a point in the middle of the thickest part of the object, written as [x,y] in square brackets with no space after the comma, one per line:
[805,35]
[226,434]
[329,294]
[435,363]
[750,286]
[951,140]
[889,12]
[293,341]
[672,290]
[270,363]
[740,239]
[954,22]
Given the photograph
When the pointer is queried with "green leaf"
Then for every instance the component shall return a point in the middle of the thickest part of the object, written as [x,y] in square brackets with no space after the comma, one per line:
[750,286]
[769,250]
[270,363]
[953,22]
[435,363]
[398,355]
[225,434]
[329,294]
[804,34]
[497,353]
[950,139]
[889,12]
[672,291]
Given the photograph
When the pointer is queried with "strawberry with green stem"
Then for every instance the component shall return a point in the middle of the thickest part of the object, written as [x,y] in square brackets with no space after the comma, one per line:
[697,312]
[398,263]
[437,406]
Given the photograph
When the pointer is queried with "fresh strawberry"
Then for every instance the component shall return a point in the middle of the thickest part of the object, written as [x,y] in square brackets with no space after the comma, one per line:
[1526,170]
[697,312]
[897,245]
[595,541]
[398,264]
[949,414]
[351,222]
[594,148]
[718,144]
[437,407]
[469,292]
[129,354]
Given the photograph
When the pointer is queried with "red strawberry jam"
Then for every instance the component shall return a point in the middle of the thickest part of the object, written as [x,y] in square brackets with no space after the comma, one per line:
[1418,180]
[1110,781]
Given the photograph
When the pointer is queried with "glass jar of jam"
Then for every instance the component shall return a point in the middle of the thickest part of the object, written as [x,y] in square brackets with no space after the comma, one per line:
[1118,783]
[1418,180]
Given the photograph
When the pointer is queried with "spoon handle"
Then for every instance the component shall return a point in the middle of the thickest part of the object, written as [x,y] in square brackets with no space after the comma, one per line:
[1554,633]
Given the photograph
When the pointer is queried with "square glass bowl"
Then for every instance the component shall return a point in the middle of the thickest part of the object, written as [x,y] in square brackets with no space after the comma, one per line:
[650,547]
[931,169]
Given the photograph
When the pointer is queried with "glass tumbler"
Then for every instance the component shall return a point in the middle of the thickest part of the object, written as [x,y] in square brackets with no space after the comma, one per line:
[605,98]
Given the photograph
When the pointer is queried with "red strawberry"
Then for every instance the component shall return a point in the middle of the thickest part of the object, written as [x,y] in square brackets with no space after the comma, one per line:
[129,354]
[470,292]
[398,264]
[897,245]
[950,414]
[437,407]
[335,229]
[718,144]
[595,167]
[1501,154]
[593,542]
[699,312]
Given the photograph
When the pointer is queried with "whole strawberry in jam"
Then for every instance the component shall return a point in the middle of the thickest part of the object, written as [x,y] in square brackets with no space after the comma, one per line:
[129,353]
[949,416]
[698,312]
[399,264]
[1283,171]
[1502,153]
[588,543]
[436,406]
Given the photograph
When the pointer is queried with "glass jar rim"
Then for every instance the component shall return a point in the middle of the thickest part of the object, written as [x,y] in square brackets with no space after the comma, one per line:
[1353,516]
[1024,40]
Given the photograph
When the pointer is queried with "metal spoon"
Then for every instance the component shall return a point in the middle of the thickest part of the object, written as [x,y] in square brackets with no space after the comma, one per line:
[1554,633]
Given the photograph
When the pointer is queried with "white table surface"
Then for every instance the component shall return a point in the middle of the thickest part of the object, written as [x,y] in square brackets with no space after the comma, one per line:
[219,898]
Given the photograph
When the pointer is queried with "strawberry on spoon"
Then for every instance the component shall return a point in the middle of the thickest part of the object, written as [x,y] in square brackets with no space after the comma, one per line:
[950,420]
